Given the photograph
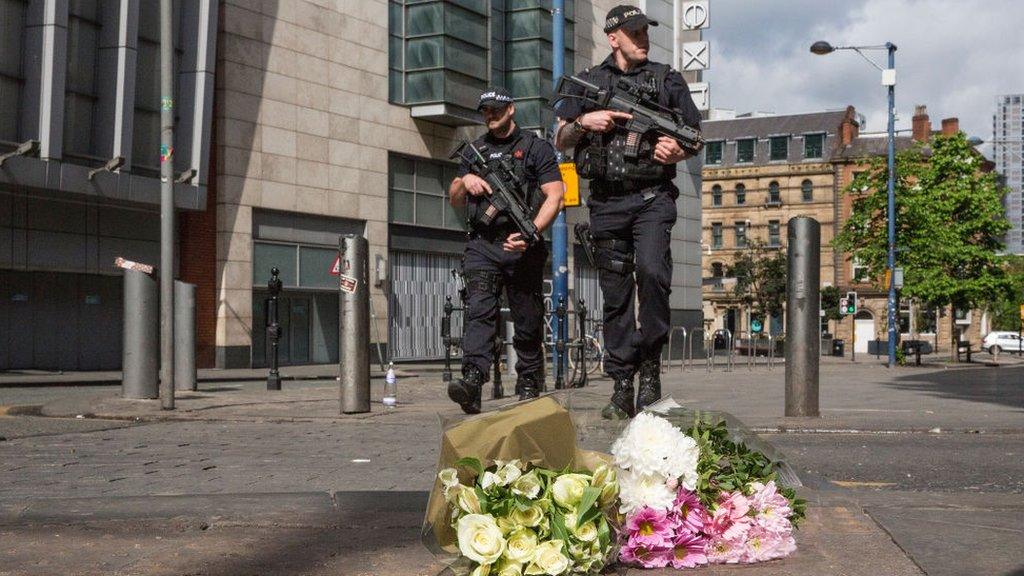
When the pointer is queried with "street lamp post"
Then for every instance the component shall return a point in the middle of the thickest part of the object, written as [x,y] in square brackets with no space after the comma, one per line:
[888,79]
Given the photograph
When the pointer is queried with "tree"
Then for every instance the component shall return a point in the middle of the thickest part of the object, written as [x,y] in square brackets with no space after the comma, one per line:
[830,297]
[760,274]
[1004,310]
[949,222]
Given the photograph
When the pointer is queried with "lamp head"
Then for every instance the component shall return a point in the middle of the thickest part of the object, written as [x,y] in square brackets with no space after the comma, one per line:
[821,48]
[975,141]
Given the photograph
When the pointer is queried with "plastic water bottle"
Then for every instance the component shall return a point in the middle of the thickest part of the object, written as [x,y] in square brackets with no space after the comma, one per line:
[390,388]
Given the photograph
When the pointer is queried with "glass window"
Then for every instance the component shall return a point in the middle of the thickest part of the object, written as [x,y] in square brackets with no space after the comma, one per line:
[266,256]
[806,191]
[859,270]
[814,145]
[741,234]
[774,197]
[773,233]
[745,150]
[713,152]
[12,37]
[716,195]
[717,270]
[741,194]
[315,267]
[418,193]
[80,89]
[716,235]
[779,148]
[904,317]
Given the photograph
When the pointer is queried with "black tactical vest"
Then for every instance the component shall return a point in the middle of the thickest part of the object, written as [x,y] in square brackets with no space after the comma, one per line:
[517,151]
[602,156]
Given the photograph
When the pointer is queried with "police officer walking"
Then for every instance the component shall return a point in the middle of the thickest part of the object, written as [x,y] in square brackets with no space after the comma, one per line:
[632,204]
[498,257]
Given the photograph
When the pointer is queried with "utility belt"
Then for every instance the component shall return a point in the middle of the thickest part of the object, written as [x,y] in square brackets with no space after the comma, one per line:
[623,187]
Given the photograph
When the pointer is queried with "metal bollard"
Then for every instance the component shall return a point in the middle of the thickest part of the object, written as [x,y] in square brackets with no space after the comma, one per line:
[354,321]
[802,321]
[141,354]
[184,336]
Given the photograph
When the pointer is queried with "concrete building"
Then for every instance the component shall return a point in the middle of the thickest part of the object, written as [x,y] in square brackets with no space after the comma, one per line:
[1007,150]
[302,120]
[760,171]
[79,181]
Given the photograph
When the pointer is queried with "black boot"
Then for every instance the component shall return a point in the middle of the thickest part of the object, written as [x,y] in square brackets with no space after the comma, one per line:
[527,386]
[466,391]
[621,405]
[650,384]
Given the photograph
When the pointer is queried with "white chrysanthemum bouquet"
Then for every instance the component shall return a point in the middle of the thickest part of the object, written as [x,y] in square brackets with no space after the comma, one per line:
[512,518]
[698,497]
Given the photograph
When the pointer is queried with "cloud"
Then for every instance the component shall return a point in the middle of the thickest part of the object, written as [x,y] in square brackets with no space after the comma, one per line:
[955,56]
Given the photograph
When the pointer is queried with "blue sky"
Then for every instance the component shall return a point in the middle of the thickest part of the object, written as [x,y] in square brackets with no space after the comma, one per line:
[955,56]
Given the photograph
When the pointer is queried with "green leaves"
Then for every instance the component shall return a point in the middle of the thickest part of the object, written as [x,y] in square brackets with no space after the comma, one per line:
[587,509]
[760,273]
[471,463]
[949,224]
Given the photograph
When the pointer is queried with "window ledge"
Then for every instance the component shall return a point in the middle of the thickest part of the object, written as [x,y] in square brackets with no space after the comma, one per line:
[445,113]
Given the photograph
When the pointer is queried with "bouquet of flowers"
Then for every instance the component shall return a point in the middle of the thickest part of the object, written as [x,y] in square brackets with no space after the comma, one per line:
[512,518]
[698,497]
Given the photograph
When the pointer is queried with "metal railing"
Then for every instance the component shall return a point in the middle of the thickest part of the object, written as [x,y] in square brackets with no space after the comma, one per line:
[729,344]
[671,334]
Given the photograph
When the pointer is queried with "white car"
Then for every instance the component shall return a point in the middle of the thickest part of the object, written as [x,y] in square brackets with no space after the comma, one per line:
[997,342]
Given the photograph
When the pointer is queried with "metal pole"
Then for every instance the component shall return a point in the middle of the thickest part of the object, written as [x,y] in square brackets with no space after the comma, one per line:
[353,342]
[166,208]
[274,328]
[559,231]
[140,359]
[802,343]
[892,210]
[185,336]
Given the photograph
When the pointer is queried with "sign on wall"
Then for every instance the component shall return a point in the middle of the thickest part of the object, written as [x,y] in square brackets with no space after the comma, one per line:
[696,56]
[695,15]
[699,93]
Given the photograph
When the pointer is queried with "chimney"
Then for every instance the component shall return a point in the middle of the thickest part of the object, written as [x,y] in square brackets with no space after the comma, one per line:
[950,126]
[922,126]
[850,128]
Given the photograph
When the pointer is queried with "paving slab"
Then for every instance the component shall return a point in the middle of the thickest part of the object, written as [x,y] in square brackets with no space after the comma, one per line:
[353,533]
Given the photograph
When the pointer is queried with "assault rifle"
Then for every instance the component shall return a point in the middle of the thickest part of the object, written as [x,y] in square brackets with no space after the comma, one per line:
[628,97]
[500,175]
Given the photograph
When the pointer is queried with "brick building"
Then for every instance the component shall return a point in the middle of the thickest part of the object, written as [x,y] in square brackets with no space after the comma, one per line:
[915,322]
[760,171]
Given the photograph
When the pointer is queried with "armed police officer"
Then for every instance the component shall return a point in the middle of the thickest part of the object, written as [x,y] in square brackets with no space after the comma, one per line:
[632,200]
[498,255]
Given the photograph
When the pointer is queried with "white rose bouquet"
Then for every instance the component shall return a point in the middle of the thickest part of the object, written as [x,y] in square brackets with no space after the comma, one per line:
[514,519]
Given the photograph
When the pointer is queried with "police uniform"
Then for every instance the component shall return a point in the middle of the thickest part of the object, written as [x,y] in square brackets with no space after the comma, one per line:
[488,268]
[632,211]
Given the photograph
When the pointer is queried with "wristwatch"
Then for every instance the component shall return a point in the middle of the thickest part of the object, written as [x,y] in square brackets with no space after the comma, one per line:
[577,128]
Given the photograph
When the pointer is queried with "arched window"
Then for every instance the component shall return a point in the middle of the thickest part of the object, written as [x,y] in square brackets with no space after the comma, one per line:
[741,194]
[773,193]
[716,195]
[806,191]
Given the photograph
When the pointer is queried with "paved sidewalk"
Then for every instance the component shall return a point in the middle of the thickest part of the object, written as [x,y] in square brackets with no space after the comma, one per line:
[239,480]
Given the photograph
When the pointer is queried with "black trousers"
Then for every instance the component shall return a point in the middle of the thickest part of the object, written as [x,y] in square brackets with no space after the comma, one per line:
[488,269]
[645,219]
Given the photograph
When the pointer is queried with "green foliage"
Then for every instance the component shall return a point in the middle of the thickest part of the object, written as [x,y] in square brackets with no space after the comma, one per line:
[949,221]
[725,465]
[760,274]
[830,296]
[1004,309]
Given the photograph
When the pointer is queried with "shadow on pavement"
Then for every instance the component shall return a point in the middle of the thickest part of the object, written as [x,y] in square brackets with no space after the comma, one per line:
[1002,386]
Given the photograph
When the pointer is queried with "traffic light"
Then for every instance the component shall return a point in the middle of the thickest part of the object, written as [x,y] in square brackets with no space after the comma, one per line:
[851,302]
[843,305]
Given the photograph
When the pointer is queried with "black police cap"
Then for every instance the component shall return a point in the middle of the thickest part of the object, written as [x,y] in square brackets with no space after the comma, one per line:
[494,98]
[628,17]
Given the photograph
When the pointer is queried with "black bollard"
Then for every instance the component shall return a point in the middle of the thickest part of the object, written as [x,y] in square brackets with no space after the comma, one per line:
[273,328]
